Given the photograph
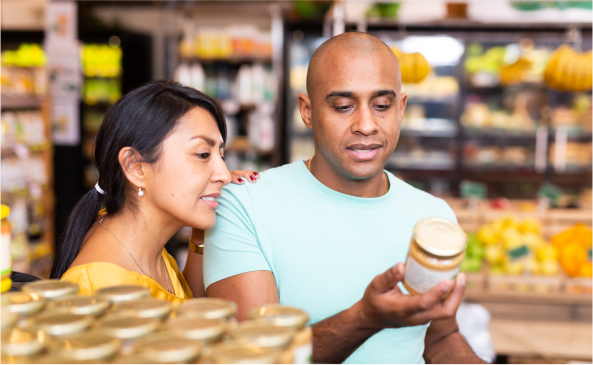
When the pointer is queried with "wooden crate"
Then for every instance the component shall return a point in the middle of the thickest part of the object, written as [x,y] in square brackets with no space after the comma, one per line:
[579,285]
[526,284]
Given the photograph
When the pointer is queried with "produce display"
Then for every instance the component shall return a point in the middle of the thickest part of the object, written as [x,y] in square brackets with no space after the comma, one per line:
[101,60]
[574,250]
[414,67]
[27,55]
[569,70]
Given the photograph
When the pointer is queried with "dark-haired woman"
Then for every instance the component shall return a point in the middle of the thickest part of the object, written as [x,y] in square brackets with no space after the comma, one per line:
[159,153]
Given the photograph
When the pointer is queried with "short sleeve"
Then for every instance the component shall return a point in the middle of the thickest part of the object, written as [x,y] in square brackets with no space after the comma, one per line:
[232,247]
[447,211]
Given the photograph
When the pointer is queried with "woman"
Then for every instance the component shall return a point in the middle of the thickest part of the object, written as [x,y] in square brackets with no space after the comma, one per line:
[159,153]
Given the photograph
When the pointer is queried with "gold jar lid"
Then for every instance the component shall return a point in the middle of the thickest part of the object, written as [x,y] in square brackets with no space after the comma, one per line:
[164,348]
[280,315]
[233,352]
[145,308]
[87,346]
[23,304]
[51,289]
[262,333]
[22,342]
[80,305]
[123,293]
[121,326]
[202,329]
[62,324]
[207,308]
[8,319]
[440,237]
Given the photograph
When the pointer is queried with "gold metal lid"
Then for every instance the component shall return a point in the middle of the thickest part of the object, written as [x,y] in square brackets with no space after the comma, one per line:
[51,289]
[233,352]
[85,347]
[61,324]
[280,315]
[203,329]
[207,308]
[262,333]
[440,237]
[164,348]
[19,342]
[123,327]
[145,308]
[123,293]
[23,303]
[80,305]
[8,319]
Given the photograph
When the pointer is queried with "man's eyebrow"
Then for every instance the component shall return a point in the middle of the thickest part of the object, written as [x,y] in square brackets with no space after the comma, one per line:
[382,93]
[210,141]
[342,94]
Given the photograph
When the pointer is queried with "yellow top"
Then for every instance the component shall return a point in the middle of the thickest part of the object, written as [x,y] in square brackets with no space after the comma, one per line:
[96,275]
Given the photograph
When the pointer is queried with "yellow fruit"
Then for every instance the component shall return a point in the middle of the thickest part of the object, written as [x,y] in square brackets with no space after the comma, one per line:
[510,221]
[585,269]
[531,265]
[487,235]
[533,240]
[549,267]
[513,267]
[494,254]
[530,225]
[546,252]
[512,242]
[497,225]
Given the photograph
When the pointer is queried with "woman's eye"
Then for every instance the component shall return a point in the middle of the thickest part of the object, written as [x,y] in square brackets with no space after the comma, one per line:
[203,155]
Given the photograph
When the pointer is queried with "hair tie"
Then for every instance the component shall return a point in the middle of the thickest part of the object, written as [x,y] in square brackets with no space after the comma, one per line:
[101,191]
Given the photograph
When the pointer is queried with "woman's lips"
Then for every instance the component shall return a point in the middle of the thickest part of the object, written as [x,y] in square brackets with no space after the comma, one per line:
[210,201]
[364,154]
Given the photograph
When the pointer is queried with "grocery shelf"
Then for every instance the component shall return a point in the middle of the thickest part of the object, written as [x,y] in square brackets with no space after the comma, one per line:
[431,127]
[20,102]
[497,133]
[419,166]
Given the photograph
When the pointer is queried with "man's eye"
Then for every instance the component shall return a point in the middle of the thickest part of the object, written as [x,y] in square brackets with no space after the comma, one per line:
[342,108]
[383,107]
[203,155]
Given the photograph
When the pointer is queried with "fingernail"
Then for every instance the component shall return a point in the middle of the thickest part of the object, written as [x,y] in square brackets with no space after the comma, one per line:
[446,286]
[256,174]
[252,178]
[461,279]
[240,180]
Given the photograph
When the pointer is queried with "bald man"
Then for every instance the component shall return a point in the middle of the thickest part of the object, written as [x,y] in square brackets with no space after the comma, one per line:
[323,234]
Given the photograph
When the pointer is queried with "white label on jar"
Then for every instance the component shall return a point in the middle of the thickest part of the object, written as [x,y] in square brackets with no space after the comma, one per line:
[303,354]
[5,255]
[422,279]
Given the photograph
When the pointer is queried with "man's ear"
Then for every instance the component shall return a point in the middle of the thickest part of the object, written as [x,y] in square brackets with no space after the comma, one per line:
[403,101]
[305,109]
[132,164]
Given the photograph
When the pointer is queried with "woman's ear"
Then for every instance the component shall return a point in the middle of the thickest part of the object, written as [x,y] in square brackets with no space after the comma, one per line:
[131,163]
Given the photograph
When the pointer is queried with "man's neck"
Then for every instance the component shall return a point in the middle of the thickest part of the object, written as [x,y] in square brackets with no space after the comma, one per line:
[372,187]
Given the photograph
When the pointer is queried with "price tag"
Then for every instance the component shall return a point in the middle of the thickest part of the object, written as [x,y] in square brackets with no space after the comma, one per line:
[518,253]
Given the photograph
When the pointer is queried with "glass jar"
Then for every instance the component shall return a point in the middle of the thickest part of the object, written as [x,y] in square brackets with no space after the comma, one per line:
[145,308]
[123,293]
[51,289]
[20,346]
[127,329]
[207,308]
[262,333]
[23,305]
[233,352]
[8,319]
[165,348]
[58,325]
[89,347]
[5,248]
[436,252]
[204,330]
[80,305]
[292,318]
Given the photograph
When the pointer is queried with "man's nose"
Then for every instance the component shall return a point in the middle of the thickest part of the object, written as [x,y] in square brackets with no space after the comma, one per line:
[365,122]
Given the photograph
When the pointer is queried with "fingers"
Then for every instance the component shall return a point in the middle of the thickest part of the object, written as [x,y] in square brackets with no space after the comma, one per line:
[428,300]
[240,176]
[452,303]
[388,280]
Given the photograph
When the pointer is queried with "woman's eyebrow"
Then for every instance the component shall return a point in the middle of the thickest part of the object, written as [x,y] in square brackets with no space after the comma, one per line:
[210,141]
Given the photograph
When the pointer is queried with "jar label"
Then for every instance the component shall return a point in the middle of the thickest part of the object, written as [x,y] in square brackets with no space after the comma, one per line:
[5,254]
[303,354]
[422,279]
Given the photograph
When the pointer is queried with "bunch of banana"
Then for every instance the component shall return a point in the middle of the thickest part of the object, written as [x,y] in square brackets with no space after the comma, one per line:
[414,66]
[515,73]
[569,70]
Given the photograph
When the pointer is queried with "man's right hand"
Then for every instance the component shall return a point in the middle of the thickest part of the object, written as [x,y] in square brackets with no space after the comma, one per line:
[385,306]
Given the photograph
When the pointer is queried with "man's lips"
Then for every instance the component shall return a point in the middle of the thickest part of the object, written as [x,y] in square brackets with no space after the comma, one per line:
[210,200]
[364,152]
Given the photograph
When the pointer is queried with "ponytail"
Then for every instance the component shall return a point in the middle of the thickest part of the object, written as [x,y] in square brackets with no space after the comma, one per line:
[142,119]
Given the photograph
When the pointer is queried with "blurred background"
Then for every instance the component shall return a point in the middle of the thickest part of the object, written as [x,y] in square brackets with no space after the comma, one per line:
[498,123]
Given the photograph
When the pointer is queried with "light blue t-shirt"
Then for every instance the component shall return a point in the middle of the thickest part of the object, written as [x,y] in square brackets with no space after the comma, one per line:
[322,246]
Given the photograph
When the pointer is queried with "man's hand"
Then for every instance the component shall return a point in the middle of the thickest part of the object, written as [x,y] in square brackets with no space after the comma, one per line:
[385,306]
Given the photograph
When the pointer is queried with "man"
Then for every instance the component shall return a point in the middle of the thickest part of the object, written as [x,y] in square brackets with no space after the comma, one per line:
[313,234]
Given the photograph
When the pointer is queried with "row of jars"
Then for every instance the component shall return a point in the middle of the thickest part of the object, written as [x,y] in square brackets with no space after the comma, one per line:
[47,322]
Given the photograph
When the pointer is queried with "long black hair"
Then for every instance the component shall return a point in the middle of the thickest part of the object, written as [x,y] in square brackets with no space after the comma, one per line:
[142,119]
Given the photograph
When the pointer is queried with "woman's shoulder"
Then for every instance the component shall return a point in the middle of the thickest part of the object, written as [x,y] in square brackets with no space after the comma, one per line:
[96,275]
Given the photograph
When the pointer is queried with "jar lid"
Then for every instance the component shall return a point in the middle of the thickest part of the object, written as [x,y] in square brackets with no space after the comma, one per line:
[19,342]
[262,333]
[51,289]
[440,237]
[233,352]
[123,327]
[81,305]
[164,348]
[4,211]
[8,319]
[123,293]
[23,303]
[207,308]
[85,347]
[197,328]
[145,308]
[60,324]
[280,315]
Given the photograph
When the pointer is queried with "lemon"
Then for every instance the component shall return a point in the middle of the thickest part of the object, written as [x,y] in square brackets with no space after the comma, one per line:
[546,252]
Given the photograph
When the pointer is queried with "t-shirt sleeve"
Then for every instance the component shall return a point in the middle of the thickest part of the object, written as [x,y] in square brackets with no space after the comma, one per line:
[232,247]
[446,211]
